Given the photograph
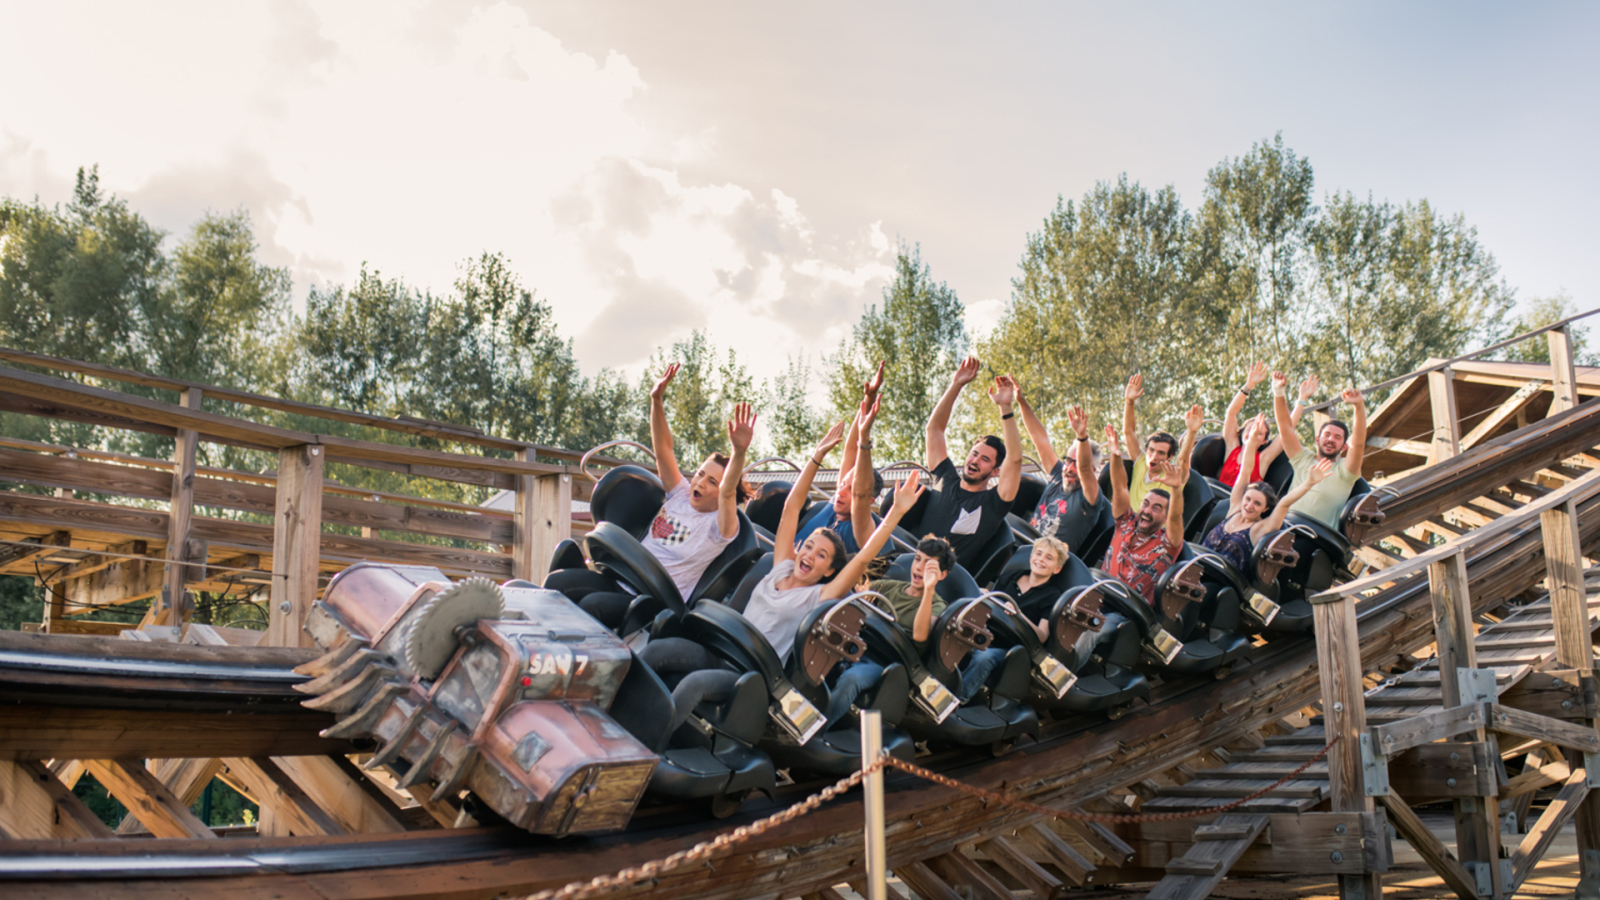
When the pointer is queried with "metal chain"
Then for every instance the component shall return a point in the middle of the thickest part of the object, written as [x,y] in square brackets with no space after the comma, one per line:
[703,850]
[935,777]
[579,889]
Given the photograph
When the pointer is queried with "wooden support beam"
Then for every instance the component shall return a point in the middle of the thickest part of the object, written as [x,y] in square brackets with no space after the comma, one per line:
[1446,423]
[35,806]
[1506,411]
[1555,817]
[1344,710]
[185,778]
[332,788]
[1563,376]
[956,868]
[296,542]
[269,785]
[542,518]
[1007,856]
[1428,847]
[1060,854]
[927,884]
[147,799]
[169,606]
[20,558]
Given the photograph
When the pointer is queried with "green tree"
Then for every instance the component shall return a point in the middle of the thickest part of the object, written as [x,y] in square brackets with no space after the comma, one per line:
[920,331]
[1104,291]
[793,425]
[701,398]
[1539,312]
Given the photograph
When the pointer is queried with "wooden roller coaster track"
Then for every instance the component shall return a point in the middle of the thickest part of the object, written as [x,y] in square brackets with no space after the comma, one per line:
[105,705]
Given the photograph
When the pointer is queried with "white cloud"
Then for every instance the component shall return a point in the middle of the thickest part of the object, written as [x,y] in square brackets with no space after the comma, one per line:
[411,138]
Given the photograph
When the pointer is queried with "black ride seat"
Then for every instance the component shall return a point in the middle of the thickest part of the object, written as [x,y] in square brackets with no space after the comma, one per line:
[629,497]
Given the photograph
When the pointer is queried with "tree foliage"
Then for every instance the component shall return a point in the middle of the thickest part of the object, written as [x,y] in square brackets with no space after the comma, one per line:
[920,331]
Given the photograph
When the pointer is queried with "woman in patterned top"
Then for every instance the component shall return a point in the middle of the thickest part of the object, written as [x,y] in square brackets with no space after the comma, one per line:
[1248,520]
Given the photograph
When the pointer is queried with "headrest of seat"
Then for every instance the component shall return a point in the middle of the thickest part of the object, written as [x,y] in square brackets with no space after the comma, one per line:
[1210,452]
[719,578]
[1324,533]
[629,497]
[1280,474]
[1029,490]
[766,508]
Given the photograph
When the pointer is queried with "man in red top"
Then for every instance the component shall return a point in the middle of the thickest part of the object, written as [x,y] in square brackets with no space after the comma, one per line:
[1140,549]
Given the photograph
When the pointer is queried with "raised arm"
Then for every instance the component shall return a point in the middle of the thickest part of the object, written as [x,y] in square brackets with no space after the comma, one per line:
[1253,376]
[1192,420]
[1119,475]
[1356,450]
[1280,414]
[1003,393]
[740,430]
[1087,476]
[1037,434]
[1308,389]
[861,495]
[1130,419]
[789,523]
[661,432]
[939,420]
[1273,521]
[1252,439]
[905,497]
[922,623]
[1171,476]
[848,461]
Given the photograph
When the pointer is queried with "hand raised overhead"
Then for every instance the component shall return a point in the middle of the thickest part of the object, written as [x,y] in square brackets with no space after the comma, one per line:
[1353,397]
[742,427]
[1166,472]
[1280,382]
[1255,431]
[866,414]
[830,440]
[906,495]
[1079,420]
[966,372]
[871,386]
[1256,374]
[1004,391]
[660,389]
[1321,469]
[1308,388]
[1112,446]
[1135,388]
[1194,418]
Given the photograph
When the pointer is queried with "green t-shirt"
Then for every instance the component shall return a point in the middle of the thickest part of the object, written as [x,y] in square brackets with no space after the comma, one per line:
[1325,501]
[905,603]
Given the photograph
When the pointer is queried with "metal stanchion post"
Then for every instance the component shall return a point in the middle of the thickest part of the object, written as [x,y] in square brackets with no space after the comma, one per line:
[877,853]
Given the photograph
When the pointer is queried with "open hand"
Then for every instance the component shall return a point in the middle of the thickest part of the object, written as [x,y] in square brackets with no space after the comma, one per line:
[1135,388]
[1353,397]
[743,427]
[967,371]
[866,415]
[1194,418]
[1321,469]
[1111,441]
[871,387]
[1255,431]
[1308,388]
[660,390]
[1166,472]
[830,440]
[1256,374]
[906,495]
[1004,391]
[1079,420]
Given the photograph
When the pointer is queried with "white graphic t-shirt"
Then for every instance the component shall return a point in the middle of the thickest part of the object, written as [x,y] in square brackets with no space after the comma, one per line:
[684,539]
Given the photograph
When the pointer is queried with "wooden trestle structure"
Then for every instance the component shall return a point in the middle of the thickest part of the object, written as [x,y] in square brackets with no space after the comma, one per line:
[1480,556]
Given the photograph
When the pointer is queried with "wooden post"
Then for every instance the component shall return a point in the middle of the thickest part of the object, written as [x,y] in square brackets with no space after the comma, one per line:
[1477,818]
[296,545]
[181,510]
[1563,377]
[1569,611]
[542,517]
[1446,424]
[1344,713]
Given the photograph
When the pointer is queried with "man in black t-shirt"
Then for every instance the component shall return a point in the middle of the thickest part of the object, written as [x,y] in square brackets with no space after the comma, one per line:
[962,508]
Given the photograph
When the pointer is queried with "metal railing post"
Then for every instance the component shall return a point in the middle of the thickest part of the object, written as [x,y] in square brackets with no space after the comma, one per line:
[872,785]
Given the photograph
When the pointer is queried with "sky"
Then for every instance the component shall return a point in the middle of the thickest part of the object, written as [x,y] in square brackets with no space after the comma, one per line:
[749,169]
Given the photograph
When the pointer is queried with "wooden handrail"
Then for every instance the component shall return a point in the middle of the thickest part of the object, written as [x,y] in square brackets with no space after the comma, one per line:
[1579,490]
[1445,364]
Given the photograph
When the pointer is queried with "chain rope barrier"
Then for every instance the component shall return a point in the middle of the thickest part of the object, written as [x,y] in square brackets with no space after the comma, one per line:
[578,890]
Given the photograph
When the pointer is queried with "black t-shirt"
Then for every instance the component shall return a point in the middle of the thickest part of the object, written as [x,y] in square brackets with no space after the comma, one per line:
[967,519]
[1035,604]
[1063,514]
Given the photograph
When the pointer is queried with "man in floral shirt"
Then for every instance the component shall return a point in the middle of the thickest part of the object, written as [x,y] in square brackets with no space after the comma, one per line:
[1148,539]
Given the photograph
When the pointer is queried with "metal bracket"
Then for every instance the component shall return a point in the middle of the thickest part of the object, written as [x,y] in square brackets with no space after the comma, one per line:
[1591,769]
[1589,882]
[1480,873]
[1477,685]
[1374,769]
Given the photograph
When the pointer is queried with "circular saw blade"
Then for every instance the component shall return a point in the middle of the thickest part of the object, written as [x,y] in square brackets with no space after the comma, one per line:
[431,637]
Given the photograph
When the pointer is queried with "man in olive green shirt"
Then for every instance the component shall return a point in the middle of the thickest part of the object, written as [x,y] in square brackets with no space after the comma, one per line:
[1325,501]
